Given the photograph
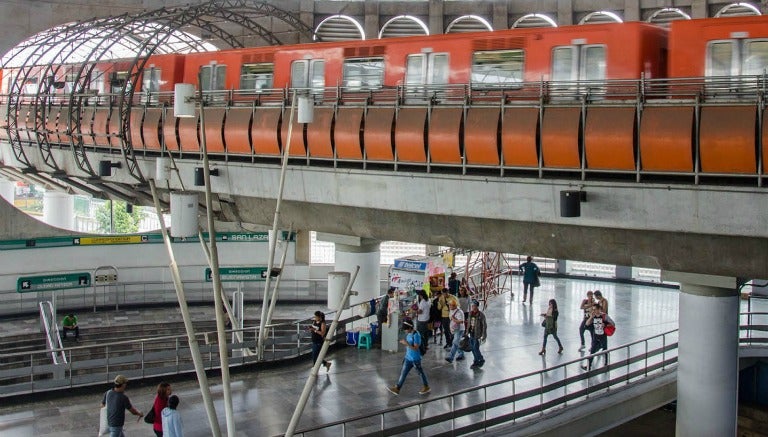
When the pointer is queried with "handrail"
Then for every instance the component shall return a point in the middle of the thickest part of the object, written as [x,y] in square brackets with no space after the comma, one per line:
[665,351]
[52,336]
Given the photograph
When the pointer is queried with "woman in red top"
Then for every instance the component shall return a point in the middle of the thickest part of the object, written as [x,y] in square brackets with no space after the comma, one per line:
[161,401]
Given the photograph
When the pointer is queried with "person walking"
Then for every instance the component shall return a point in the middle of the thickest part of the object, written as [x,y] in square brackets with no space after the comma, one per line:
[478,330]
[172,419]
[319,328]
[550,326]
[443,304]
[161,401]
[456,317]
[530,272]
[412,359]
[599,320]
[422,320]
[69,323]
[602,301]
[586,307]
[117,402]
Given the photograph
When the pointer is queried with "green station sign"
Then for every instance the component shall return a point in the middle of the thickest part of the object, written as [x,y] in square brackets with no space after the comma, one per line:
[238,274]
[31,284]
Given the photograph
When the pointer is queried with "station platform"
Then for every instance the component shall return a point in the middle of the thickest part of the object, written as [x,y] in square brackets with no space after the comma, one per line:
[264,399]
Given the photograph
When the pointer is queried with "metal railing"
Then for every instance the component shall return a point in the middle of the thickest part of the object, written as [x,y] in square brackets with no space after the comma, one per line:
[83,365]
[51,330]
[529,395]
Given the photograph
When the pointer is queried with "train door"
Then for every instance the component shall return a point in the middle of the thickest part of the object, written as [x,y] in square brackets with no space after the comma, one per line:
[733,59]
[579,68]
[424,72]
[213,80]
[150,84]
[308,74]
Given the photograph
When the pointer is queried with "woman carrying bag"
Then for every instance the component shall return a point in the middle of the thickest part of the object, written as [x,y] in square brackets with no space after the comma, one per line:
[550,326]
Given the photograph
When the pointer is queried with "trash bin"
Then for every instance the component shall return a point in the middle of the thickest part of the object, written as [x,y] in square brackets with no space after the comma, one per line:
[353,337]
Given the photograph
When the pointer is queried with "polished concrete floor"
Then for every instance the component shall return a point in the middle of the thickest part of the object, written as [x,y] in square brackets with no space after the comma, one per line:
[264,399]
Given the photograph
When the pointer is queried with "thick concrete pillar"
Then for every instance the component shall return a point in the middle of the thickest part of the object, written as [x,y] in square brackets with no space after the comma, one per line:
[562,267]
[59,209]
[708,357]
[623,272]
[356,251]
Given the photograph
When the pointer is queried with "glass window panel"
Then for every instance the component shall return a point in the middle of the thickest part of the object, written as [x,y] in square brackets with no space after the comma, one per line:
[205,77]
[299,74]
[562,63]
[414,70]
[756,58]
[720,58]
[594,63]
[220,78]
[365,73]
[497,67]
[150,81]
[256,76]
[439,74]
[318,75]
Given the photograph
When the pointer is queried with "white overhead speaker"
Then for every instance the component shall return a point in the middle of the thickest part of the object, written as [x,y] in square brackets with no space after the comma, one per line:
[184,208]
[337,285]
[305,111]
[162,171]
[183,100]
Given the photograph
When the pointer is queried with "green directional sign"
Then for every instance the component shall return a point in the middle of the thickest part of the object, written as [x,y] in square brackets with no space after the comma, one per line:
[31,284]
[238,274]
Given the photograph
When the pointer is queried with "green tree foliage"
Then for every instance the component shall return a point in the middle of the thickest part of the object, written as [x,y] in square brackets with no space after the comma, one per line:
[124,222]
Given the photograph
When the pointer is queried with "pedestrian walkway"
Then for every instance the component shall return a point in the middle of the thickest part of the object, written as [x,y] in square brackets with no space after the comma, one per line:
[264,399]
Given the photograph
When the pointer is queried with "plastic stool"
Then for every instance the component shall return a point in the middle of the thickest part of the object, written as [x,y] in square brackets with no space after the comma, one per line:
[364,341]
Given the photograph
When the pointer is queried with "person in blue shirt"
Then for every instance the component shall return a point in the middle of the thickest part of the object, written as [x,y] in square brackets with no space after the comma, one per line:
[412,359]
[530,273]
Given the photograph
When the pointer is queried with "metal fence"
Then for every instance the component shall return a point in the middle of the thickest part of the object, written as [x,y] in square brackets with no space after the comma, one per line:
[532,394]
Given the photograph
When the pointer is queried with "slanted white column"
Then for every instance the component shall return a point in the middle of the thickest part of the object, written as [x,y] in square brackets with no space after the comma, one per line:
[707,373]
[352,252]
[59,209]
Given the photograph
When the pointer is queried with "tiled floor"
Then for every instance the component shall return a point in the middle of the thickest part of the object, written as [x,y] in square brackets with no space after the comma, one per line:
[264,399]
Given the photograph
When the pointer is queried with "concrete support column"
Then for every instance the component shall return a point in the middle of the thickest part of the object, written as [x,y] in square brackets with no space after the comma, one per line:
[356,251]
[59,209]
[562,267]
[707,374]
[307,15]
[372,25]
[564,12]
[8,190]
[436,17]
[699,9]
[303,247]
[632,10]
[623,272]
[368,256]
[500,16]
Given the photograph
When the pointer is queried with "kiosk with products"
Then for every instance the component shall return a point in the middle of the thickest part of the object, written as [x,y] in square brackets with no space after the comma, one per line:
[409,275]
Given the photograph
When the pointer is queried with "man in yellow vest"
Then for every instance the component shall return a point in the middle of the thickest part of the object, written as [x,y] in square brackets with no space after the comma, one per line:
[443,304]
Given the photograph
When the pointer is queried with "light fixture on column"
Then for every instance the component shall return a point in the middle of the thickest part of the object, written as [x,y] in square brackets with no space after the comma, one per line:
[129,208]
[200,175]
[305,110]
[105,167]
[570,202]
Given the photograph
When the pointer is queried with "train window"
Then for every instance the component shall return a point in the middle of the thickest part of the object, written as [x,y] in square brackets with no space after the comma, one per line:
[499,67]
[755,57]
[97,81]
[593,66]
[581,62]
[721,57]
[117,80]
[427,69]
[257,76]
[150,81]
[308,74]
[30,85]
[564,61]
[213,77]
[363,74]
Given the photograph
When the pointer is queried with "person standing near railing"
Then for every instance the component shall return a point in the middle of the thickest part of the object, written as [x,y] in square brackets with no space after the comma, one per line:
[318,329]
[598,320]
[69,323]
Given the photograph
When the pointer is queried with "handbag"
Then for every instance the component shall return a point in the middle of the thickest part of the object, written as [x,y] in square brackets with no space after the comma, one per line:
[609,330]
[103,425]
[544,323]
[150,417]
[464,344]
[536,281]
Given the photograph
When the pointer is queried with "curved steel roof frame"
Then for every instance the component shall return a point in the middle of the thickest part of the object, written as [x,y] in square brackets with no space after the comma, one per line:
[132,37]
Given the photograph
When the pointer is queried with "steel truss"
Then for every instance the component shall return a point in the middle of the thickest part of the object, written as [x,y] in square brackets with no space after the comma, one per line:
[84,44]
[487,274]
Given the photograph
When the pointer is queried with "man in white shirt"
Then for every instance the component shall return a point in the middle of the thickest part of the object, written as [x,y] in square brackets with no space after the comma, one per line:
[422,320]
